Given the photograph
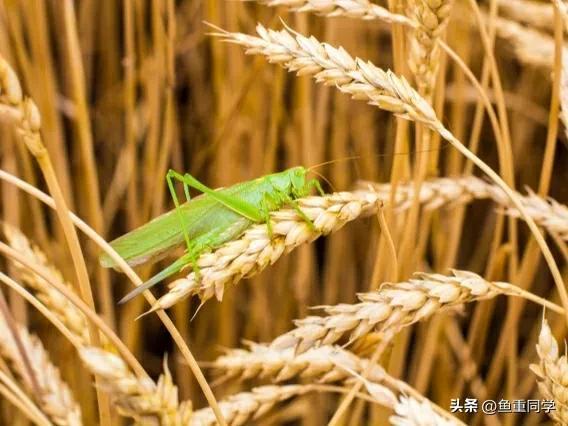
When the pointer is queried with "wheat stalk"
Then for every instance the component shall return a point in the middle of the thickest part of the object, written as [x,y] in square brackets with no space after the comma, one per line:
[562,7]
[139,398]
[69,315]
[52,394]
[255,249]
[552,371]
[564,94]
[391,308]
[432,17]
[244,407]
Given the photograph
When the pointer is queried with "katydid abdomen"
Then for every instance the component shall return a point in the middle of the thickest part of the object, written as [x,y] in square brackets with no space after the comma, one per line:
[209,220]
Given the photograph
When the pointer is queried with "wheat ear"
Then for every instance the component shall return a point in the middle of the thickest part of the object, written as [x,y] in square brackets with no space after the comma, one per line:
[410,411]
[552,371]
[391,308]
[432,17]
[358,9]
[546,212]
[52,394]
[142,399]
[530,46]
[69,315]
[317,364]
[241,408]
[530,12]
[255,249]
[325,364]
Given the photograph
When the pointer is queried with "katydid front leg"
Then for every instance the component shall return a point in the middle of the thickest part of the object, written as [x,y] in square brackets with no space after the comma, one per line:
[314,183]
[172,174]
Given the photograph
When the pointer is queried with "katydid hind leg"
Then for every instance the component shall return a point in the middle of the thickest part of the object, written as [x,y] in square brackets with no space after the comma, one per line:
[238,206]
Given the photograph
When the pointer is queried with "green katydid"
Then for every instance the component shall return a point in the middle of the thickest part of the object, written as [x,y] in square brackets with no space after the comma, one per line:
[207,221]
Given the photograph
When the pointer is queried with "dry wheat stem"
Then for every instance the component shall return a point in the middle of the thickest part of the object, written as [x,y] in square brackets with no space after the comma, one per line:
[364,81]
[54,397]
[391,308]
[562,7]
[13,393]
[255,250]
[552,370]
[432,17]
[564,94]
[139,398]
[359,9]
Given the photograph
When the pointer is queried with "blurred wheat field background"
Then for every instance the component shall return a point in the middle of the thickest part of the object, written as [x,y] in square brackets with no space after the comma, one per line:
[437,261]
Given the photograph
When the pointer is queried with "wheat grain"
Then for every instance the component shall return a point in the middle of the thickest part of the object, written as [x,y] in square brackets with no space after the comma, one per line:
[243,407]
[72,317]
[255,249]
[53,395]
[359,9]
[265,361]
[553,372]
[547,213]
[432,17]
[139,398]
[391,308]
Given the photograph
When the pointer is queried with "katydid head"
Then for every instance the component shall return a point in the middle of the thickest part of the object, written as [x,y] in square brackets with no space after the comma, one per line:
[298,181]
